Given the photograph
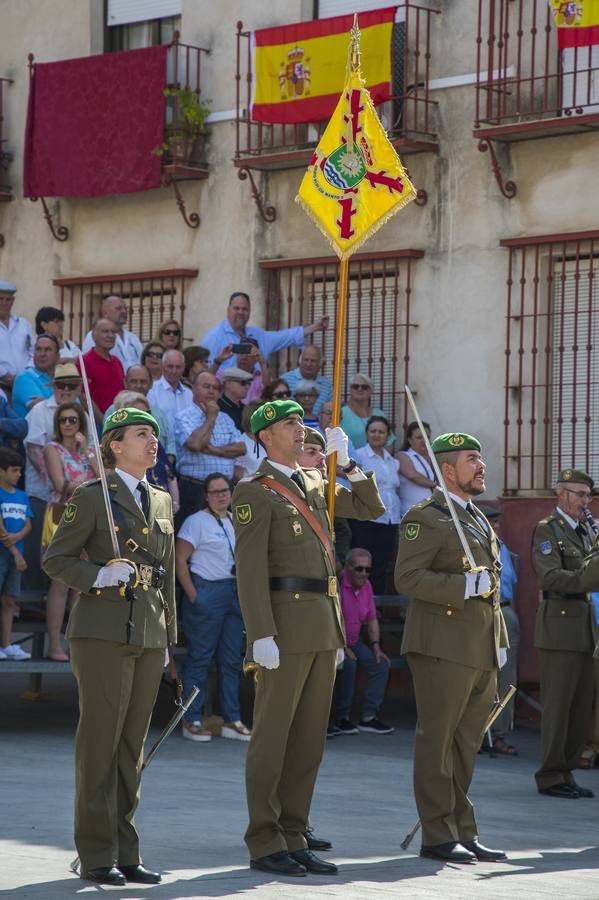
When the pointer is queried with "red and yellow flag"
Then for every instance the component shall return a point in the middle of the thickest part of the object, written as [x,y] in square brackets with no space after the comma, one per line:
[355,180]
[298,68]
[577,22]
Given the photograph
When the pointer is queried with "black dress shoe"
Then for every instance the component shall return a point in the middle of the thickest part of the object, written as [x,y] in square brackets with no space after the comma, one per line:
[140,874]
[280,863]
[105,875]
[582,791]
[316,843]
[561,790]
[483,853]
[450,852]
[313,863]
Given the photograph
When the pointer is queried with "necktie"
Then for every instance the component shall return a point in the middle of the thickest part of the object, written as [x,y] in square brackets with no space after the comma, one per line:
[297,479]
[145,500]
[480,522]
[582,534]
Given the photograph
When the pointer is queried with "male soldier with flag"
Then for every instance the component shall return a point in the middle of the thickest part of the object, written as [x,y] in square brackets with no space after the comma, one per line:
[289,598]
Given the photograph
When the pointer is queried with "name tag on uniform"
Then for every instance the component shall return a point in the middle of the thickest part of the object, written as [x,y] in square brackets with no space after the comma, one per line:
[297,527]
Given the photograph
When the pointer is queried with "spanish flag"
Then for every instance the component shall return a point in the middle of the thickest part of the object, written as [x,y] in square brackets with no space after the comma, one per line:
[577,22]
[355,180]
[298,68]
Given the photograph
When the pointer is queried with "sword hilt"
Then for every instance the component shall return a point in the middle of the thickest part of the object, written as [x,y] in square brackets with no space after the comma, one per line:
[130,562]
[492,575]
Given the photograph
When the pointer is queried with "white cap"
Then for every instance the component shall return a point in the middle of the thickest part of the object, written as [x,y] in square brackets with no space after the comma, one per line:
[8,287]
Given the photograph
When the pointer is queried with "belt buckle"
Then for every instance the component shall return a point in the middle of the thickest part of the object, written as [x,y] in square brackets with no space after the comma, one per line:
[332,586]
[145,575]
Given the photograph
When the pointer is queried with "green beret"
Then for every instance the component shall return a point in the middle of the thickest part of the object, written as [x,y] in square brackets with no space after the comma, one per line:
[577,476]
[312,436]
[447,443]
[130,416]
[272,412]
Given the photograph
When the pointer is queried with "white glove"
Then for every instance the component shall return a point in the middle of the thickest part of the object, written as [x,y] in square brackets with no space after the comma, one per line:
[340,657]
[477,583]
[502,657]
[114,575]
[337,443]
[266,653]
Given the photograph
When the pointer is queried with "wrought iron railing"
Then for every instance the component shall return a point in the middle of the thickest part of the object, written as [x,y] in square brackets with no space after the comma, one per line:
[186,107]
[5,156]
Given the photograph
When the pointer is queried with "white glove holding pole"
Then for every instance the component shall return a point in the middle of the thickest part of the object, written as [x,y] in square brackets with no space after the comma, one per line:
[266,653]
[337,443]
[114,575]
[477,583]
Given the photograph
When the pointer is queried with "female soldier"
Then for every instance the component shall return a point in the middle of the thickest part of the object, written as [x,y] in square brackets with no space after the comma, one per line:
[116,642]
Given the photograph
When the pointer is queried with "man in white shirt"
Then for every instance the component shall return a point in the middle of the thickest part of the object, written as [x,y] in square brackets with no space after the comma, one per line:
[16,336]
[127,347]
[168,394]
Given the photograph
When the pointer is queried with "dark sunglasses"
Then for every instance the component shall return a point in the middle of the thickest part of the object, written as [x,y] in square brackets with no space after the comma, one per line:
[280,395]
[173,331]
[154,354]
[367,569]
[220,492]
[360,387]
[68,385]
[72,420]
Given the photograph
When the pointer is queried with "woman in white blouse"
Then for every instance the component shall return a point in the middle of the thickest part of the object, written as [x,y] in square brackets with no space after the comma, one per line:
[210,612]
[379,536]
[416,474]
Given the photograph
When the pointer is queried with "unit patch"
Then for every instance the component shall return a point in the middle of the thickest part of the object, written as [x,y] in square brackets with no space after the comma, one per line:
[70,513]
[243,513]
[411,531]
[545,548]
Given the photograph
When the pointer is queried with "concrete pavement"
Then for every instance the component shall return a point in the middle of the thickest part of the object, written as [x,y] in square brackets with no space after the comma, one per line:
[192,817]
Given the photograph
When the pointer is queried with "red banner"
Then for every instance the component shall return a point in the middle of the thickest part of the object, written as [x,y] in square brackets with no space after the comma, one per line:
[92,124]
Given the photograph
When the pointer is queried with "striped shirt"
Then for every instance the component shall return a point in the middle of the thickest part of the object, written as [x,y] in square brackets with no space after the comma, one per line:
[194,463]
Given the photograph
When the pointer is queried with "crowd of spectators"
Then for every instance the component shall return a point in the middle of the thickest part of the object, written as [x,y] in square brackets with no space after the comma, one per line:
[202,397]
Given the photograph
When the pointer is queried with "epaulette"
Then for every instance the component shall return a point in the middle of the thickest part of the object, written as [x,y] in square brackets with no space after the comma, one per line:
[247,478]
[423,503]
[159,487]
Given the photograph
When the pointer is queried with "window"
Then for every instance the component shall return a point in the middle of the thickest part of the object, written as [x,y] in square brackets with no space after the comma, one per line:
[151,298]
[379,320]
[552,374]
[132,24]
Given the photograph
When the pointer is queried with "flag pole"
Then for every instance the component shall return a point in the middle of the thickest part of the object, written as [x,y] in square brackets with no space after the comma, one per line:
[337,373]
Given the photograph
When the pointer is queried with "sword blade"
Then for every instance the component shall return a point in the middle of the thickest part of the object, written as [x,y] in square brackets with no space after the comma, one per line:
[441,481]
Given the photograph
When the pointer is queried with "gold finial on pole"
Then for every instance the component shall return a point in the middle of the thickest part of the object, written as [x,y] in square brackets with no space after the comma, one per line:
[355,46]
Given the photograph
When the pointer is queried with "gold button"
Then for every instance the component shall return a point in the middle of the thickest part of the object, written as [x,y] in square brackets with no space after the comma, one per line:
[563,612]
[98,592]
[145,530]
[116,527]
[296,596]
[450,612]
[145,587]
[310,507]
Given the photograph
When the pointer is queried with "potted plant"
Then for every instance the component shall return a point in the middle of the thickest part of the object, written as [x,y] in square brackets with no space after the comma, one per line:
[186,133]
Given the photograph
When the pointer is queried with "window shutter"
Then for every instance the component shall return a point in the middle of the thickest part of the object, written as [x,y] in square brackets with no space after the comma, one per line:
[123,12]
[328,8]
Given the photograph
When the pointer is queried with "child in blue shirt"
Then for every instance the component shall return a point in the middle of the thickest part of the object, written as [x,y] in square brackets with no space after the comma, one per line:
[15,524]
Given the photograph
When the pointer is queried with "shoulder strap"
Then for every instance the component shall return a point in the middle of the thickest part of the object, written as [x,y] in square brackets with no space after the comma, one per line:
[306,512]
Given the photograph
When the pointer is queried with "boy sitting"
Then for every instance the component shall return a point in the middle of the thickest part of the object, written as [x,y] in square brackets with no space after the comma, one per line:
[15,524]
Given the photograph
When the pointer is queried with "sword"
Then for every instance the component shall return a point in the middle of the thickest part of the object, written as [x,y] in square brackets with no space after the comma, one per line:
[183,706]
[102,475]
[469,563]
[498,706]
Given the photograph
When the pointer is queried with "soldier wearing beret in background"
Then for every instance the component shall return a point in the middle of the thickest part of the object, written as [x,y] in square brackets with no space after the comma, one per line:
[288,595]
[452,638]
[116,643]
[565,632]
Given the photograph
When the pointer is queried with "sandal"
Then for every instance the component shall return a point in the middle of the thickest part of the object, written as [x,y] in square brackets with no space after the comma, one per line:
[502,747]
[587,760]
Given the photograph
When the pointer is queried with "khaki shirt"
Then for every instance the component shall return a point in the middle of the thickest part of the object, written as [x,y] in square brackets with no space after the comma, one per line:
[430,569]
[272,539]
[566,572]
[103,613]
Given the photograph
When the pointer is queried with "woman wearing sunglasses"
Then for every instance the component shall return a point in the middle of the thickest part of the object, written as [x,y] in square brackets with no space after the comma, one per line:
[151,358]
[210,612]
[358,410]
[69,462]
[276,390]
[170,335]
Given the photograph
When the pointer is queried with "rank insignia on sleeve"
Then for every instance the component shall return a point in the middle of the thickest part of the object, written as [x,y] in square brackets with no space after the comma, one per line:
[411,531]
[243,513]
[70,513]
[545,548]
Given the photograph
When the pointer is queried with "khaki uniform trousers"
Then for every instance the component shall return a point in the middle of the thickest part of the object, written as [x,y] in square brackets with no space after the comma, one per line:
[291,713]
[118,684]
[453,703]
[567,698]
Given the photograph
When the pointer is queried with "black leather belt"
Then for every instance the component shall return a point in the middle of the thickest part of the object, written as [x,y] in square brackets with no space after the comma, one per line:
[490,601]
[551,596]
[312,585]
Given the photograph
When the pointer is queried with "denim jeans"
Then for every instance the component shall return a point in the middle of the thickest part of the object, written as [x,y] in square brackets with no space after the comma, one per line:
[214,630]
[377,674]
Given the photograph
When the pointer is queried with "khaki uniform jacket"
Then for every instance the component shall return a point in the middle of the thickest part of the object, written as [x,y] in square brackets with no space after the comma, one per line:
[566,615]
[272,539]
[429,568]
[103,613]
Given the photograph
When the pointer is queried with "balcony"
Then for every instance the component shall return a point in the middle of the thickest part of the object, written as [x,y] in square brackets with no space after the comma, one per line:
[409,116]
[5,156]
[184,147]
[527,87]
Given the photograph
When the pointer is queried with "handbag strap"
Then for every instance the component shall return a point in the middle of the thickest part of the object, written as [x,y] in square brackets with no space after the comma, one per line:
[305,511]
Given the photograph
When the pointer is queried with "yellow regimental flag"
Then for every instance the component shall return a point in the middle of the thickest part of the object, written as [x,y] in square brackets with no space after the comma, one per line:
[355,180]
